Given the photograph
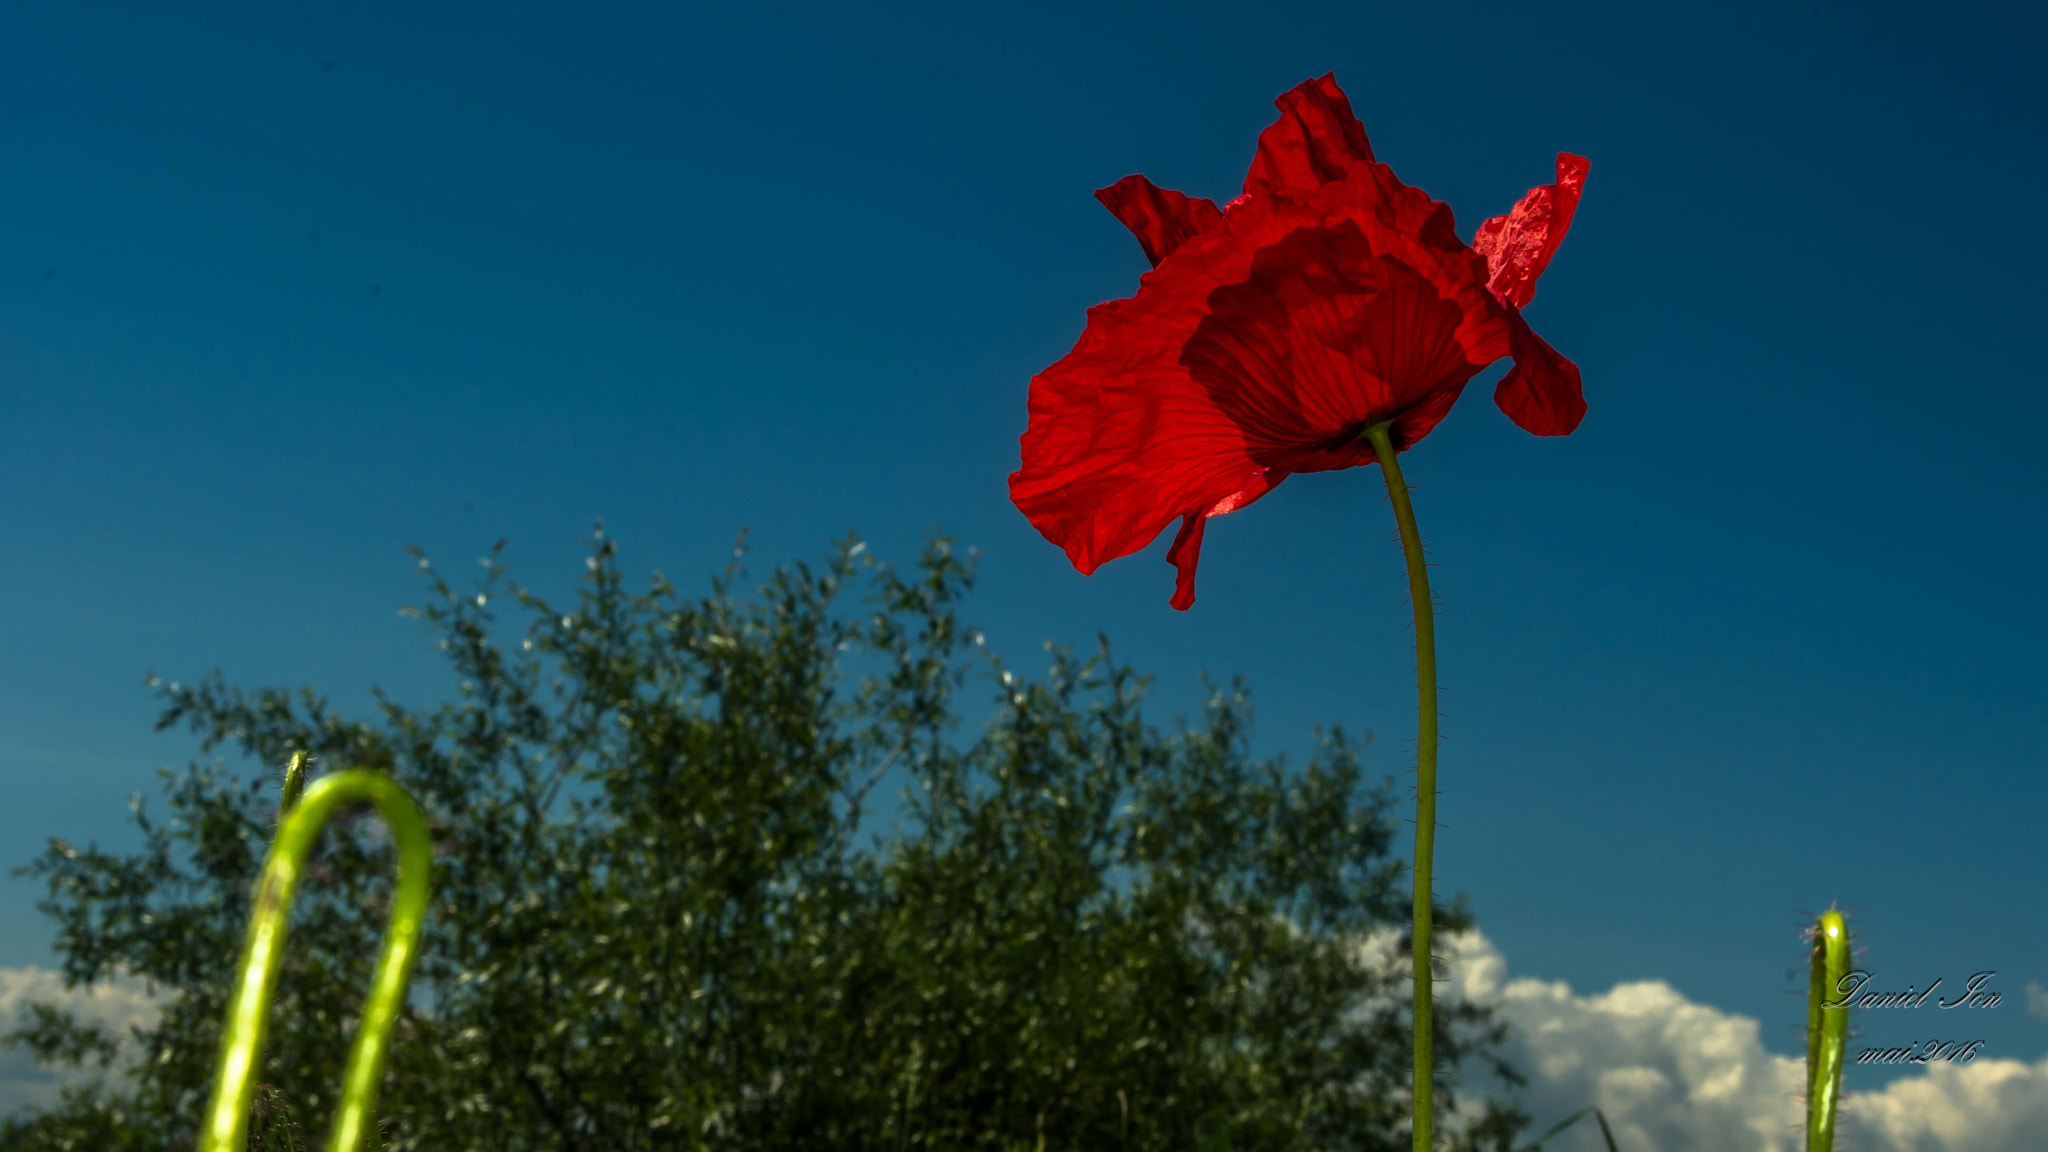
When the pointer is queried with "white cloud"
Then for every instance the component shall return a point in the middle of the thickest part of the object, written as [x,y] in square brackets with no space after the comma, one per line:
[2037,1000]
[1675,1076]
[114,1005]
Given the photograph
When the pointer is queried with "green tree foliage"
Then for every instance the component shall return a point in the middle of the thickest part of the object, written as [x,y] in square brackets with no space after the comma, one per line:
[655,925]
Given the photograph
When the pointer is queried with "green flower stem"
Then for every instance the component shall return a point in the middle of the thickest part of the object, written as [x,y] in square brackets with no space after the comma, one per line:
[1827,1029]
[1425,772]
[241,1047]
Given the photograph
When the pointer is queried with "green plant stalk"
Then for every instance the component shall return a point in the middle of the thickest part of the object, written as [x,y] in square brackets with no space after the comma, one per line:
[1425,772]
[1827,1029]
[226,1119]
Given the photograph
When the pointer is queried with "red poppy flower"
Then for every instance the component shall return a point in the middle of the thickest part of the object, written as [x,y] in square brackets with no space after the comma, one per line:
[1272,332]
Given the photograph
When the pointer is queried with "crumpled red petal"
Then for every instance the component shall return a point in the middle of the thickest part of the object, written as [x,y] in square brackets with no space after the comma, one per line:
[1316,141]
[1336,327]
[1160,218]
[1256,485]
[1519,245]
[1269,334]
[1541,393]
[1261,348]
[1186,550]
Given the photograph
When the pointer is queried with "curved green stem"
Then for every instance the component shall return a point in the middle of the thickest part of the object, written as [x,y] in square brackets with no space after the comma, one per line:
[1425,772]
[1827,1029]
[227,1113]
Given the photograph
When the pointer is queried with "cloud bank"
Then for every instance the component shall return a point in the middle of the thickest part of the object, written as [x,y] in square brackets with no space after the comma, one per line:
[1675,1076]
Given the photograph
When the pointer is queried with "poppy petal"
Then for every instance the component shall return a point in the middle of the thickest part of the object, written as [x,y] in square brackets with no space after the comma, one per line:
[1326,299]
[1541,392]
[1186,550]
[1256,485]
[1119,441]
[1316,141]
[1265,343]
[1519,245]
[1160,218]
[1336,327]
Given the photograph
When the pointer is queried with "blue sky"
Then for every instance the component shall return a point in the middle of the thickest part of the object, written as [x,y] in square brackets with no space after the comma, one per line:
[284,290]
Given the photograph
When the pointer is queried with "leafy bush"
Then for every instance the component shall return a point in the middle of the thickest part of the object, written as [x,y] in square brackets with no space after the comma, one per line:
[654,925]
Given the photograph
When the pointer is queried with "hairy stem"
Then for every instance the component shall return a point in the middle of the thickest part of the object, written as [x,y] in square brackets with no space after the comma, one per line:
[1827,1029]
[241,1048]
[294,783]
[1425,772]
